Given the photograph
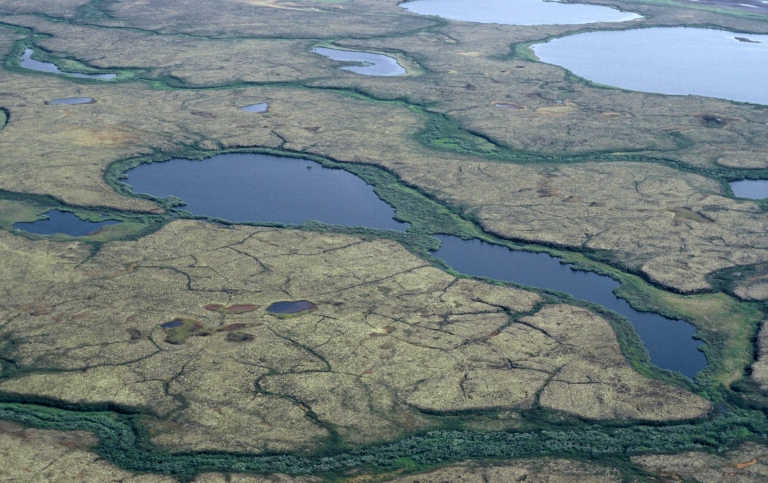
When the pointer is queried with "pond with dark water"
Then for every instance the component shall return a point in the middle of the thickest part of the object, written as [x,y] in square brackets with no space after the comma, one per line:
[679,60]
[71,101]
[670,343]
[373,64]
[61,222]
[295,307]
[266,188]
[29,63]
[519,12]
[755,189]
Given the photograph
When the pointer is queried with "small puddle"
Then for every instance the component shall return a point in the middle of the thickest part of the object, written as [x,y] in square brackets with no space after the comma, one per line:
[723,64]
[74,101]
[172,324]
[669,342]
[61,222]
[263,107]
[286,308]
[508,105]
[265,188]
[519,12]
[754,189]
[29,63]
[373,64]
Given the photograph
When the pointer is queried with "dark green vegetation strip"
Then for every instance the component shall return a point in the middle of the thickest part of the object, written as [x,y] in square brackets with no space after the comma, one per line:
[123,443]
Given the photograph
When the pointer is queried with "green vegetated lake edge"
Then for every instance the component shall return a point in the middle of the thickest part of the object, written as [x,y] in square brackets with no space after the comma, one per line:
[124,442]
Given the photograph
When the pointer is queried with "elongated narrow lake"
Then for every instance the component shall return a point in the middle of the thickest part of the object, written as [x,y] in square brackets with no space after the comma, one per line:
[373,64]
[705,62]
[670,343]
[518,12]
[265,188]
[63,223]
[29,63]
[72,101]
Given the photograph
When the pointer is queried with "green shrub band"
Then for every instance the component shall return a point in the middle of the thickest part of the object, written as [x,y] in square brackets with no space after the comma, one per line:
[122,443]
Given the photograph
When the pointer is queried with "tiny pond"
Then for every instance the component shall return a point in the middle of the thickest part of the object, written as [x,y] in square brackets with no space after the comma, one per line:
[71,101]
[260,108]
[287,307]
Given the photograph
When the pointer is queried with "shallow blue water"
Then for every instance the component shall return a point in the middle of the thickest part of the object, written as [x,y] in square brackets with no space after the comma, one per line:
[62,222]
[755,189]
[29,63]
[679,60]
[518,12]
[373,64]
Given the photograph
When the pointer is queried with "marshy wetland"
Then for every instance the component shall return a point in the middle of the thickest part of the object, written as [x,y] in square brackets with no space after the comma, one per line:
[274,303]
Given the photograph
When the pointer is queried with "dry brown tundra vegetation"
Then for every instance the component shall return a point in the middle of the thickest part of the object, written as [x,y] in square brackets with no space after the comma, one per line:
[632,181]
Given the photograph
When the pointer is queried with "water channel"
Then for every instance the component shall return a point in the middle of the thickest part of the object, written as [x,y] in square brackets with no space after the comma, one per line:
[261,187]
[754,189]
[373,64]
[669,342]
[723,64]
[61,222]
[519,12]
[29,63]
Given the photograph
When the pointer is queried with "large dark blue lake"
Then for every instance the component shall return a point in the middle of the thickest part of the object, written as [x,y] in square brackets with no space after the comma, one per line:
[265,188]
[670,343]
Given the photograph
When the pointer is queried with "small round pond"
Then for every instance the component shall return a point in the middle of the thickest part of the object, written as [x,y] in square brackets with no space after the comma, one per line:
[29,63]
[754,189]
[265,188]
[670,343]
[373,64]
[518,12]
[677,60]
[61,222]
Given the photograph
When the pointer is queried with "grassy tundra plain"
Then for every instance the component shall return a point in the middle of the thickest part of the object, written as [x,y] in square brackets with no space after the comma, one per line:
[144,352]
